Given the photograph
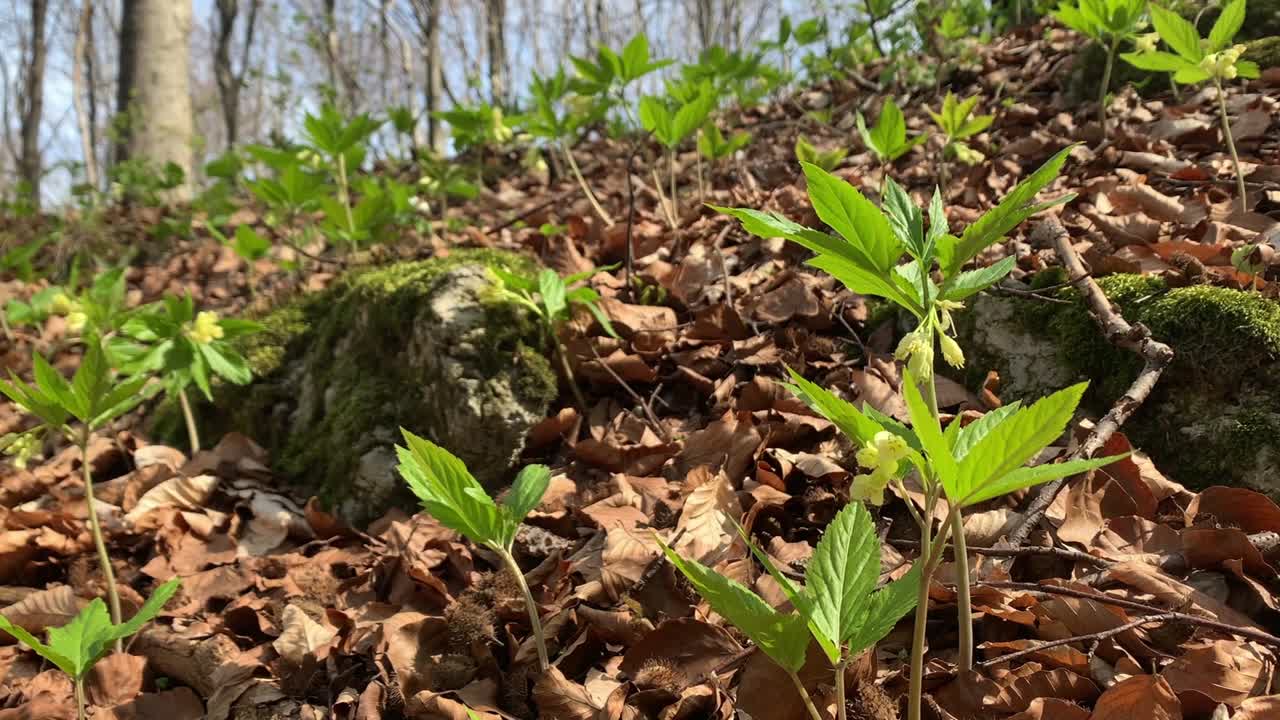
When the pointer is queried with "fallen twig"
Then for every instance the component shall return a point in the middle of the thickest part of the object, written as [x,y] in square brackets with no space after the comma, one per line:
[1038,550]
[1250,633]
[644,404]
[1118,332]
[1103,635]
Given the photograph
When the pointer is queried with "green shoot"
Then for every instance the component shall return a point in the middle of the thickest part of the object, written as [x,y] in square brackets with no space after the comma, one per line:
[551,298]
[171,340]
[966,465]
[828,160]
[1195,59]
[671,121]
[92,399]
[1108,23]
[450,494]
[958,123]
[888,139]
[555,119]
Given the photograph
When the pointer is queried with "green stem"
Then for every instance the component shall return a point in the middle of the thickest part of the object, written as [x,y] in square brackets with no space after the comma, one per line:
[964,608]
[702,189]
[193,433]
[671,171]
[930,555]
[563,354]
[544,662]
[1106,85]
[104,559]
[586,190]
[344,194]
[842,712]
[81,706]
[1231,144]
[804,695]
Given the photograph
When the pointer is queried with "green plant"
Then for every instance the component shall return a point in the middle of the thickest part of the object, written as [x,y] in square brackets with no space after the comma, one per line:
[958,123]
[97,310]
[92,398]
[450,494]
[828,160]
[77,646]
[1195,59]
[552,298]
[476,126]
[606,80]
[839,605]
[888,139]
[172,341]
[963,465]
[671,121]
[558,121]
[1108,23]
[139,181]
[19,260]
[442,180]
[714,146]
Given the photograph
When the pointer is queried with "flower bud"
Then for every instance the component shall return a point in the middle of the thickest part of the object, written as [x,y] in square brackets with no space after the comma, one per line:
[951,351]
[76,321]
[869,457]
[1146,43]
[62,304]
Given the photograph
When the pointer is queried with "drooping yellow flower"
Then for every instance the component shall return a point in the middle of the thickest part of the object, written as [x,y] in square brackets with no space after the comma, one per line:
[76,321]
[1147,42]
[951,351]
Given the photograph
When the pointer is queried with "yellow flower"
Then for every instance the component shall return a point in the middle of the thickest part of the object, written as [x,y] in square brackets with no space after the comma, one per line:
[1146,43]
[890,447]
[951,351]
[76,321]
[62,304]
[206,328]
[869,487]
[869,457]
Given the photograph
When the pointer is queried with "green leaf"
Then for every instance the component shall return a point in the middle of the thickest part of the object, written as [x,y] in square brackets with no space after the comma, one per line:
[249,244]
[527,491]
[199,368]
[783,637]
[842,573]
[1157,61]
[149,610]
[883,610]
[226,363]
[970,434]
[123,398]
[906,220]
[64,663]
[448,491]
[84,639]
[1227,25]
[853,423]
[854,217]
[552,290]
[1193,74]
[974,281]
[1013,442]
[1178,33]
[1031,476]
[1015,207]
[925,423]
[90,381]
[1248,69]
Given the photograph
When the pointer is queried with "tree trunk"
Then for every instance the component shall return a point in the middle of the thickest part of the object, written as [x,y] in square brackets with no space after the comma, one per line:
[495,26]
[30,167]
[84,96]
[228,83]
[427,13]
[154,95]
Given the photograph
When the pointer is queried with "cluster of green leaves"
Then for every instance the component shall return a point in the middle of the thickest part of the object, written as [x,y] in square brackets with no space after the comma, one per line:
[715,146]
[551,298]
[607,77]
[19,261]
[888,139]
[76,647]
[745,77]
[1195,59]
[827,160]
[958,123]
[1107,22]
[476,126]
[675,118]
[838,606]
[139,181]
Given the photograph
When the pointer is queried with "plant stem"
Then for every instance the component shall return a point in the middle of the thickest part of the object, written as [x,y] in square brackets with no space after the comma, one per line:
[81,707]
[804,695]
[344,194]
[104,559]
[586,190]
[842,712]
[544,662]
[1231,144]
[964,608]
[702,189]
[662,197]
[193,433]
[563,354]
[930,554]
[1106,85]
[671,172]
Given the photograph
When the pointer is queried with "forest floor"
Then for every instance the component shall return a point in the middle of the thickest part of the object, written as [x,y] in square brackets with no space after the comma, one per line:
[285,612]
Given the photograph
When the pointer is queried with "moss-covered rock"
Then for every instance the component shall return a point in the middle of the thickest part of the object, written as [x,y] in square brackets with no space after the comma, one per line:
[1215,416]
[1264,51]
[425,345]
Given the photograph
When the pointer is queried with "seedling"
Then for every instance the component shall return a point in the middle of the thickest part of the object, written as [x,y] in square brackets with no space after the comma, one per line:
[828,160]
[1252,260]
[171,340]
[440,181]
[1195,59]
[888,139]
[77,646]
[671,121]
[93,399]
[450,494]
[839,604]
[965,465]
[606,80]
[714,146]
[1108,23]
[958,123]
[554,119]
[551,300]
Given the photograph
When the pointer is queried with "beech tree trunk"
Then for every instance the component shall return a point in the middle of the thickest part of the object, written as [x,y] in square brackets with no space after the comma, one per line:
[84,96]
[154,94]
[495,26]
[230,81]
[30,164]
[427,14]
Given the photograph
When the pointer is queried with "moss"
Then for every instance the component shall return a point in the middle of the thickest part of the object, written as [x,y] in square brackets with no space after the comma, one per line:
[1264,51]
[354,387]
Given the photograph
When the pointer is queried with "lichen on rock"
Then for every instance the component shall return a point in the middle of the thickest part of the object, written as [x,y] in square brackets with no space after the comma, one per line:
[426,345]
[1215,415]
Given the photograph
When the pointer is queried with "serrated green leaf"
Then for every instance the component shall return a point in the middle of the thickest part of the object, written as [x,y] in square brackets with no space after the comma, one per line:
[926,426]
[226,363]
[906,220]
[55,387]
[854,217]
[552,290]
[1013,442]
[526,492]
[1030,476]
[1227,25]
[1178,33]
[844,415]
[448,491]
[842,573]
[968,435]
[782,637]
[149,610]
[972,282]
[883,610]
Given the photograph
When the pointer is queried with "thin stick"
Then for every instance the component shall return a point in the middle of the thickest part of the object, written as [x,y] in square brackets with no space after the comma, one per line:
[1031,550]
[1231,144]
[804,695]
[1098,636]
[1250,633]
[1118,332]
[644,404]
[586,190]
